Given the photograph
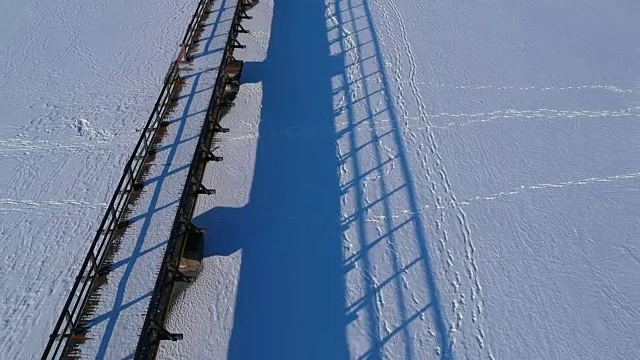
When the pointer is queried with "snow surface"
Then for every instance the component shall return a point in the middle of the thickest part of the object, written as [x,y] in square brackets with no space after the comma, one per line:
[402,180]
[80,81]
[416,180]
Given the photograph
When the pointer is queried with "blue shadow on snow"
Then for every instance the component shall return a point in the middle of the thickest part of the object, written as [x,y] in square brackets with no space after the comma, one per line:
[291,300]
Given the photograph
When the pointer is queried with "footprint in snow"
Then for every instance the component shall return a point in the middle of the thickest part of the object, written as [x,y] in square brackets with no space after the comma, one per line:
[83,127]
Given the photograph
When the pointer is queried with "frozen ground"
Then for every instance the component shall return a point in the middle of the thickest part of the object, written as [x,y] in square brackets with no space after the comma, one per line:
[79,81]
[420,180]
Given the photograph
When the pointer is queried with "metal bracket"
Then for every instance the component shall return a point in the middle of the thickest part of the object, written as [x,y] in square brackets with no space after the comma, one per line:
[163,334]
[237,45]
[248,4]
[219,128]
[201,189]
[241,30]
[190,227]
[210,156]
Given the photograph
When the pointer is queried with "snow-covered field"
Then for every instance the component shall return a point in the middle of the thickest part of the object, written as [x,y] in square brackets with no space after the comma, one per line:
[402,180]
[80,80]
[420,180]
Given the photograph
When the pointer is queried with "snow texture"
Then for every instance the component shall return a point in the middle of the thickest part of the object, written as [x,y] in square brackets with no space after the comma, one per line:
[406,180]
[80,83]
[416,180]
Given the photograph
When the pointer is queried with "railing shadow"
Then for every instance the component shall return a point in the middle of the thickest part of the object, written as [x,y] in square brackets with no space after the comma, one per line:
[389,258]
[327,263]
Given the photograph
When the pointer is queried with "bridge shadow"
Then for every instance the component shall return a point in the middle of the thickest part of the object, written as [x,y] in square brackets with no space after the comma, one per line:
[290,299]
[331,169]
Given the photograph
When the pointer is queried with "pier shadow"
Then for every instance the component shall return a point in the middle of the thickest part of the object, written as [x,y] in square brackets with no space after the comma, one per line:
[330,157]
[290,299]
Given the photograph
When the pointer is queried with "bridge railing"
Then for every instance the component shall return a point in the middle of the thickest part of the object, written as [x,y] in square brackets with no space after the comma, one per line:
[68,325]
[225,89]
